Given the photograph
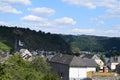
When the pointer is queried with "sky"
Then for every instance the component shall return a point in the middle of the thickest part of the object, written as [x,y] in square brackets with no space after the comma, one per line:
[77,17]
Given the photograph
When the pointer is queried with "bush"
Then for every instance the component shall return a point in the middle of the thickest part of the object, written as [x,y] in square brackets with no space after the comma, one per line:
[15,68]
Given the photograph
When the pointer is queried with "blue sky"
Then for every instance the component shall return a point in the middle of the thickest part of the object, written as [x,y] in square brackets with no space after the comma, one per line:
[90,17]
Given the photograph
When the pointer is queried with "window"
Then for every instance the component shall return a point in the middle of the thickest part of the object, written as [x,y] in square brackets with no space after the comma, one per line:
[115,59]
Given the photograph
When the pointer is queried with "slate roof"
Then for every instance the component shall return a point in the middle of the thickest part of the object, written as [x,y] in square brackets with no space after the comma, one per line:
[72,61]
[77,62]
[63,59]
[90,62]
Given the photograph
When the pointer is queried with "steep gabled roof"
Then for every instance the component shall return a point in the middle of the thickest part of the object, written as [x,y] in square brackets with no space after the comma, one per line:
[73,61]
[77,62]
[90,62]
[62,58]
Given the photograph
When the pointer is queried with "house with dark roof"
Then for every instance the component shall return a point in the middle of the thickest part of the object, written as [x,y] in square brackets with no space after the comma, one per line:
[113,62]
[69,67]
[95,57]
[26,54]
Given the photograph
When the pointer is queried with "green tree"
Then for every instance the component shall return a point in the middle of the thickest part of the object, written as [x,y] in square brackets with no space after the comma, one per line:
[102,57]
[15,68]
[40,65]
[3,74]
[74,48]
[50,77]
[21,69]
[97,68]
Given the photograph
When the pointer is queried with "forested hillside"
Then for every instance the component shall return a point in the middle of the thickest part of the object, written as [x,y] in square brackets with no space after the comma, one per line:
[65,43]
[33,40]
[109,45]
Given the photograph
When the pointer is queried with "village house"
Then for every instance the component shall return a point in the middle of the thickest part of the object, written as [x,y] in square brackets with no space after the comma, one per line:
[26,54]
[95,57]
[70,67]
[114,60]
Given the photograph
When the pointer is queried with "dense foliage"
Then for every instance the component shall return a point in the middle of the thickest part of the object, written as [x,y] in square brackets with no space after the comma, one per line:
[109,45]
[102,57]
[33,40]
[15,68]
[4,47]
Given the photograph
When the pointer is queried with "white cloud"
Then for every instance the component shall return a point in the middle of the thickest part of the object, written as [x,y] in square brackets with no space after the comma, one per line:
[43,11]
[85,3]
[113,12]
[9,9]
[112,6]
[6,6]
[44,22]
[97,21]
[33,18]
[59,25]
[65,21]
[93,3]
[117,26]
[90,5]
[84,30]
[110,32]
[2,23]
[24,2]
[101,22]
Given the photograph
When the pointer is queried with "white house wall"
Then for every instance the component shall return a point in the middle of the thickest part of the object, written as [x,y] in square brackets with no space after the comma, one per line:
[113,66]
[77,73]
[27,52]
[99,62]
[91,69]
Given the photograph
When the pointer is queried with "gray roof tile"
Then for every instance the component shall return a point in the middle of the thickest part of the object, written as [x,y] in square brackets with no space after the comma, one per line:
[90,62]
[72,61]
